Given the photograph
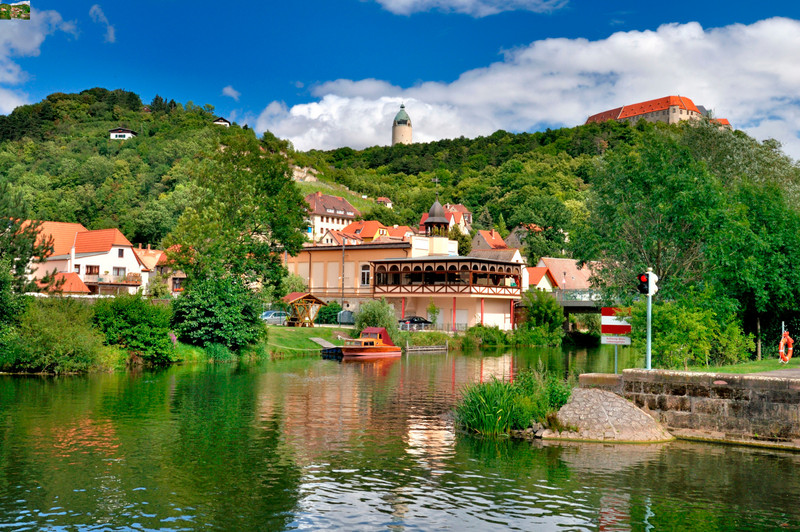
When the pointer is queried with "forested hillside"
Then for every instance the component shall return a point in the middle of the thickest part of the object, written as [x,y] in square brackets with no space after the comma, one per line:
[713,211]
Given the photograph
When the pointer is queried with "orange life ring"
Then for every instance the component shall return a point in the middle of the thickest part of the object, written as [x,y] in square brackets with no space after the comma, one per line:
[786,342]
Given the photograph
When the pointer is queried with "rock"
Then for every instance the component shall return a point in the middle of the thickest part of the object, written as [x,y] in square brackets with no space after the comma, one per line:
[598,415]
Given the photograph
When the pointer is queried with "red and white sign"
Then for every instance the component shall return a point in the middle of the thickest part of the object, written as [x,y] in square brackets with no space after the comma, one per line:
[615,340]
[610,323]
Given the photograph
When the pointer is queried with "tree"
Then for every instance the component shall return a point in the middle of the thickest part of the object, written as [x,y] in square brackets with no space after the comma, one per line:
[376,313]
[219,311]
[552,217]
[651,206]
[464,241]
[543,310]
[20,243]
[246,213]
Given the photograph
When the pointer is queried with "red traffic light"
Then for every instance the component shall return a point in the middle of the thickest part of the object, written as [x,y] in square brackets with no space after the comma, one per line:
[644,283]
[643,278]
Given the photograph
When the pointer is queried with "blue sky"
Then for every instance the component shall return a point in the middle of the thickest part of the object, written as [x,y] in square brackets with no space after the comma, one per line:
[333,73]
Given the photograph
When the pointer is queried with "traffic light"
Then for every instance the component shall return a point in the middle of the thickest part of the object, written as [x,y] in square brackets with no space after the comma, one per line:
[647,283]
[644,283]
[652,279]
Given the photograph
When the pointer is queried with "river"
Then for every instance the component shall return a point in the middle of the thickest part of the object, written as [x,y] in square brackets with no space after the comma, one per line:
[321,445]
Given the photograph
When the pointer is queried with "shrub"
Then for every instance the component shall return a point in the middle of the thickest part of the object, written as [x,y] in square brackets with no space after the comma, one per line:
[54,335]
[218,311]
[480,335]
[137,326]
[487,408]
[542,311]
[329,314]
[537,336]
[219,353]
[376,313]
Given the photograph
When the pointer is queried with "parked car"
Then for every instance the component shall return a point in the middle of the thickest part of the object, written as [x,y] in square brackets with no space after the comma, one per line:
[274,317]
[413,323]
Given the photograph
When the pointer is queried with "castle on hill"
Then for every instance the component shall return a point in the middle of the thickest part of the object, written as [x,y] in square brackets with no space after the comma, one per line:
[669,109]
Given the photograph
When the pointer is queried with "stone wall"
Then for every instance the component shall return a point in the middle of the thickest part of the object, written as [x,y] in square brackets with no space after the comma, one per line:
[724,406]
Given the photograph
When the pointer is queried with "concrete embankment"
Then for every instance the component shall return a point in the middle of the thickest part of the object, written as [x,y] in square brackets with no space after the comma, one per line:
[751,409]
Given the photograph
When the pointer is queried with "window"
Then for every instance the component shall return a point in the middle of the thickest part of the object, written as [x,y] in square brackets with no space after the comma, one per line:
[119,272]
[78,269]
[92,270]
[177,284]
[365,275]
[121,253]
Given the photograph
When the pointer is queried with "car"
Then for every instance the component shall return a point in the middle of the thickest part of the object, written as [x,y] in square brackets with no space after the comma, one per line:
[274,317]
[413,323]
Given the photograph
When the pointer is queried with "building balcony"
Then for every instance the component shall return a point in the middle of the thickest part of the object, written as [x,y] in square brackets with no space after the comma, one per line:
[129,279]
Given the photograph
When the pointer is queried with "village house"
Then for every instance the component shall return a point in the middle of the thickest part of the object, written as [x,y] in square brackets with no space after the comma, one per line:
[516,239]
[540,278]
[103,259]
[488,240]
[367,230]
[156,263]
[466,214]
[121,133]
[386,202]
[220,121]
[328,212]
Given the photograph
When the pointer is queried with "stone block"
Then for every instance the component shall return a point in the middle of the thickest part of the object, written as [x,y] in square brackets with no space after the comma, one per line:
[675,388]
[757,383]
[678,403]
[605,381]
[786,397]
[654,388]
[730,392]
[682,420]
[698,390]
[715,407]
[631,387]
[651,402]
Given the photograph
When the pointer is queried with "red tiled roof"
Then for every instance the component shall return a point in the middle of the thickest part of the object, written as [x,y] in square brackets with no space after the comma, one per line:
[566,274]
[650,106]
[150,258]
[365,228]
[100,241]
[338,236]
[63,234]
[383,199]
[320,203]
[721,121]
[457,207]
[400,231]
[536,274]
[72,284]
[493,239]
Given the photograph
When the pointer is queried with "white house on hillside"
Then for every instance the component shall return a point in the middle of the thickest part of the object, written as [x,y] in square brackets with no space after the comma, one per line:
[103,259]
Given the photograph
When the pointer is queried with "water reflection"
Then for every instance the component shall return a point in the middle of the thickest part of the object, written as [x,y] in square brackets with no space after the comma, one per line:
[322,445]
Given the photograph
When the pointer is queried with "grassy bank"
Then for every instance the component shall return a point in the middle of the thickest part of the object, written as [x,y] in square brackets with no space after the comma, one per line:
[295,341]
[754,366]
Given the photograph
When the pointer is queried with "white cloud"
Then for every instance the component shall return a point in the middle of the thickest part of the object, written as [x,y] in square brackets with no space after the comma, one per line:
[475,8]
[231,92]
[746,73]
[98,16]
[24,39]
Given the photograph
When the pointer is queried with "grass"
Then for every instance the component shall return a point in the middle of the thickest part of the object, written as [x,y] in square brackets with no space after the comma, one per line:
[334,189]
[754,366]
[295,341]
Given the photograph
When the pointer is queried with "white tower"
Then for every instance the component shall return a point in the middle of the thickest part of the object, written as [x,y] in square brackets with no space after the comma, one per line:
[401,127]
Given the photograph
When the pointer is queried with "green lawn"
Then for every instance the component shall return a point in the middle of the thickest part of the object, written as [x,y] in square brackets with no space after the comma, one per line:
[756,366]
[334,189]
[295,340]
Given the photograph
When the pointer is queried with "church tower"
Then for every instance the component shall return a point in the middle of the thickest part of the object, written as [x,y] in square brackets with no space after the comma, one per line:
[401,127]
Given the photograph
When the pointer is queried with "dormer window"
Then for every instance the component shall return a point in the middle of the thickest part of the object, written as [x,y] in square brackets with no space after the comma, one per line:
[339,212]
[350,213]
[329,210]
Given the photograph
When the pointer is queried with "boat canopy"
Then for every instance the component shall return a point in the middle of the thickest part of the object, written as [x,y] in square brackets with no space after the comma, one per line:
[377,332]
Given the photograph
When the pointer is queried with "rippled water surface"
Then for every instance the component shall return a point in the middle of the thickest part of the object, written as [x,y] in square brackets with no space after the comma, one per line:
[316,444]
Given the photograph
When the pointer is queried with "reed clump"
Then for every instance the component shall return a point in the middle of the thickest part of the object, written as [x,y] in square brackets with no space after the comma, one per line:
[497,407]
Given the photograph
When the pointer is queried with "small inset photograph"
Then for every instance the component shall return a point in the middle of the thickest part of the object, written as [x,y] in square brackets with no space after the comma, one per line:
[15,10]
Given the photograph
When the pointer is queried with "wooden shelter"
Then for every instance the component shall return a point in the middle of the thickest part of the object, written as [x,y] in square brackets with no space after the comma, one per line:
[303,308]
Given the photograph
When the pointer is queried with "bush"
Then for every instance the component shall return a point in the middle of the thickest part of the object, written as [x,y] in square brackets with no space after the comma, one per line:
[219,353]
[542,311]
[537,336]
[329,314]
[376,313]
[218,311]
[54,335]
[137,326]
[480,335]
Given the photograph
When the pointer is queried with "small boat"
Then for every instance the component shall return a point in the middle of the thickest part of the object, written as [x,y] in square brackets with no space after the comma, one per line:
[374,342]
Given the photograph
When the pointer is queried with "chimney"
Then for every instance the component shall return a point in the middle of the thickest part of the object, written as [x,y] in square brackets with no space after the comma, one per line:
[140,245]
[148,247]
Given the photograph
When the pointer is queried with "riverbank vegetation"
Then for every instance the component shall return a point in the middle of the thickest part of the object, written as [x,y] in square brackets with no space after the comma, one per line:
[497,407]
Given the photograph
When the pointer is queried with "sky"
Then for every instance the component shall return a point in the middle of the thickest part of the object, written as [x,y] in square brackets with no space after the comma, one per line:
[326,74]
